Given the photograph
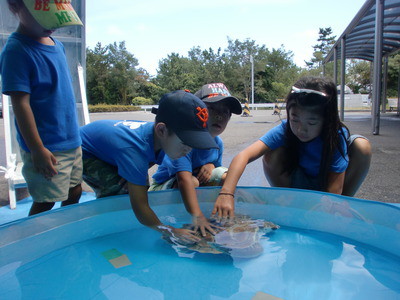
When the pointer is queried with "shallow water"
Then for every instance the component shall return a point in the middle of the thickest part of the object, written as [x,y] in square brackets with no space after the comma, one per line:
[295,264]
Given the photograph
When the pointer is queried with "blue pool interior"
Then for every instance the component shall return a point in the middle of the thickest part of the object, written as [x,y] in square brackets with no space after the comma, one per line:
[23,206]
[328,247]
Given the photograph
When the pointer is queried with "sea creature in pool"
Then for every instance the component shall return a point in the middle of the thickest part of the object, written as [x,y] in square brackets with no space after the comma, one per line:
[238,237]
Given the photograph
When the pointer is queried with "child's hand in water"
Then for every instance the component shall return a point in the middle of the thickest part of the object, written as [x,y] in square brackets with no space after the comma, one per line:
[224,206]
[182,236]
[201,223]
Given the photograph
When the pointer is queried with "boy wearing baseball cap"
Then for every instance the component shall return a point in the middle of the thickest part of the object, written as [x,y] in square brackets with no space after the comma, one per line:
[35,75]
[200,167]
[115,151]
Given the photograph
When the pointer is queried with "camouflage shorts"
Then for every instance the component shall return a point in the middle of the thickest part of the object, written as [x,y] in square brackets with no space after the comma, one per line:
[103,178]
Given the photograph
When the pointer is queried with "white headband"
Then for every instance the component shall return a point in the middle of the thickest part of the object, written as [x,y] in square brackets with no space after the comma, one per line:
[308,91]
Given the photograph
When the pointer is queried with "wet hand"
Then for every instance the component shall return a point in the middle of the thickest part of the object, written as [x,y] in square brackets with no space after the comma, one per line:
[201,223]
[184,236]
[224,207]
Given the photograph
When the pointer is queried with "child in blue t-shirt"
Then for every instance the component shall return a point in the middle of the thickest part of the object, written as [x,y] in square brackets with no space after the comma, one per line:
[311,150]
[200,167]
[119,151]
[35,75]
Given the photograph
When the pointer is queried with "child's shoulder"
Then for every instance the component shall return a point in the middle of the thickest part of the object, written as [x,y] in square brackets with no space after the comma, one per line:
[279,127]
[345,132]
[219,141]
[15,41]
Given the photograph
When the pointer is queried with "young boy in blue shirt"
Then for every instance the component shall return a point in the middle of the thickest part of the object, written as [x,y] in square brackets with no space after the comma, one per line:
[115,151]
[35,75]
[200,167]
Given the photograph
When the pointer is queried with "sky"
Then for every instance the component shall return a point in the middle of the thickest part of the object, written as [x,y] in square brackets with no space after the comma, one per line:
[153,29]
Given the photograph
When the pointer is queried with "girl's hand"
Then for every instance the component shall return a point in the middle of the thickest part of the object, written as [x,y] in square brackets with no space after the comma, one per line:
[224,206]
[183,236]
[205,172]
[44,162]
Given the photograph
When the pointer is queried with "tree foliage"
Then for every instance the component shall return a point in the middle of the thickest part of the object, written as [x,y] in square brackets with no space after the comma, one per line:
[359,76]
[111,73]
[393,75]
[326,42]
[113,76]
[274,70]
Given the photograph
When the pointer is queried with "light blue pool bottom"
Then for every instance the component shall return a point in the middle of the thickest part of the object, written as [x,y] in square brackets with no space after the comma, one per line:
[329,247]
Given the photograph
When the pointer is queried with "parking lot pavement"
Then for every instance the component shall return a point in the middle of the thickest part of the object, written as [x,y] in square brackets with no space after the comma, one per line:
[381,184]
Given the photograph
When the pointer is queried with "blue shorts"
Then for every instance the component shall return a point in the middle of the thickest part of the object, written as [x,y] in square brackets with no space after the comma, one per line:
[302,180]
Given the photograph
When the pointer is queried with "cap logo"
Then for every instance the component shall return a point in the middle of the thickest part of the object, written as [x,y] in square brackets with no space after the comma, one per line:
[60,5]
[218,89]
[52,14]
[202,115]
[213,95]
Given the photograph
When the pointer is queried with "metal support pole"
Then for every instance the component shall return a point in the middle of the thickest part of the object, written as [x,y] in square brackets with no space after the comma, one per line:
[252,80]
[384,85]
[377,82]
[398,93]
[342,76]
[335,65]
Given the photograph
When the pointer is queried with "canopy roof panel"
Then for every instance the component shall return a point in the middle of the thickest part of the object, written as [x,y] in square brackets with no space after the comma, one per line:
[359,36]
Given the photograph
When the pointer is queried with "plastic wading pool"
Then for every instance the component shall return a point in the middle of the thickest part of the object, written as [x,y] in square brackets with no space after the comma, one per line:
[328,247]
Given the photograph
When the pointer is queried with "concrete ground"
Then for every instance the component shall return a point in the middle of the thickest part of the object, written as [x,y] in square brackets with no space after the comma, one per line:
[381,184]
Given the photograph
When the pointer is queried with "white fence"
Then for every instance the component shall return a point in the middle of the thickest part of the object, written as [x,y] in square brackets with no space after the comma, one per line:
[252,106]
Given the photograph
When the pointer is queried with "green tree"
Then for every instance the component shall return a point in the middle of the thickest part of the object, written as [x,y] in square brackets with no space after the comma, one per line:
[209,65]
[326,42]
[111,73]
[97,68]
[273,71]
[358,76]
[279,74]
[122,72]
[238,65]
[176,73]
[393,75]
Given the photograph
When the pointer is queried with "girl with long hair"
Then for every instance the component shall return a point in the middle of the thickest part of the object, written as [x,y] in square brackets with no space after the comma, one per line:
[312,149]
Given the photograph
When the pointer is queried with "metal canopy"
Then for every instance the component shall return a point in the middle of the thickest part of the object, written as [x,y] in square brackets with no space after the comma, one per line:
[372,35]
[359,36]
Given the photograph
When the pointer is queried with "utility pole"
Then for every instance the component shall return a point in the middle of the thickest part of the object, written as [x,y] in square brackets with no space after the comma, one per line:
[252,80]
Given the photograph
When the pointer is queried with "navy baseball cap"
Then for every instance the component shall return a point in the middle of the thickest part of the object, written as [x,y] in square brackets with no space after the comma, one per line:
[215,92]
[187,116]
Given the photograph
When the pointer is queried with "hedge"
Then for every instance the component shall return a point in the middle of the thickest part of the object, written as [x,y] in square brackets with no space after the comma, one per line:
[111,108]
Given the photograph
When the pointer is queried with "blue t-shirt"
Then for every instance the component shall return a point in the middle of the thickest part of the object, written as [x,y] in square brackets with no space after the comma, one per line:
[194,159]
[310,152]
[42,71]
[128,145]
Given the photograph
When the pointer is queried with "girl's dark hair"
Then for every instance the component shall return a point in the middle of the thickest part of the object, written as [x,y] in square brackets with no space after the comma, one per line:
[327,107]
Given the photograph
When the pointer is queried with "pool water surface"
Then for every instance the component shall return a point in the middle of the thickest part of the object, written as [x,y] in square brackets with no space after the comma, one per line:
[295,263]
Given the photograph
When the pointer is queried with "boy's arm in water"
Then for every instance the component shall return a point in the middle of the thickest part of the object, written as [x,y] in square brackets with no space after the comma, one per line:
[139,201]
[187,188]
